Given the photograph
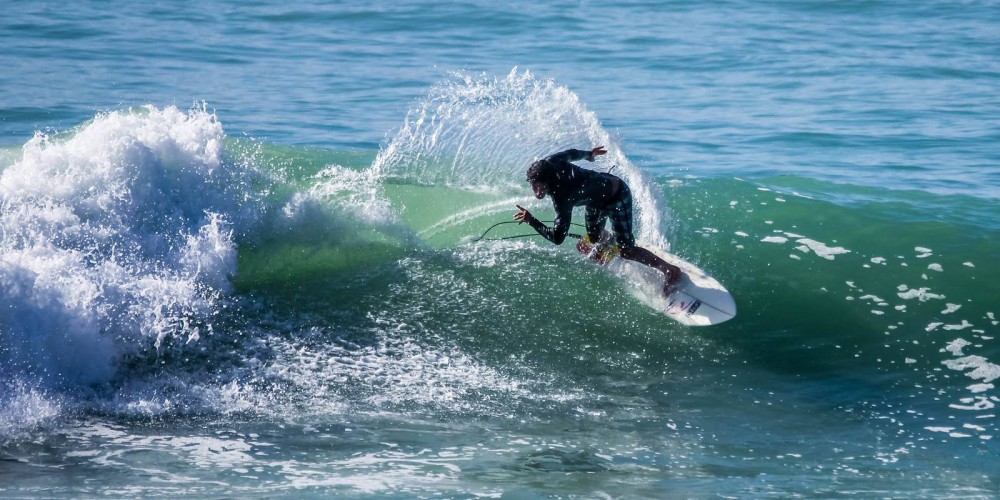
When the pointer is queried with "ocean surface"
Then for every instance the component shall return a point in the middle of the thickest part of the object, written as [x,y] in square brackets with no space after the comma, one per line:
[239,255]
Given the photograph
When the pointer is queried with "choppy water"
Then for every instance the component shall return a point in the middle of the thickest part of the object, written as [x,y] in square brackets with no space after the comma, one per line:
[237,257]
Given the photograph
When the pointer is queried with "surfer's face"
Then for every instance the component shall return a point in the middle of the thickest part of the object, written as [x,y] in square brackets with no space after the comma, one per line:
[540,189]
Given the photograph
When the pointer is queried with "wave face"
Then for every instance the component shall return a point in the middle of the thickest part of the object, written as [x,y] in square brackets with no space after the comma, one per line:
[287,296]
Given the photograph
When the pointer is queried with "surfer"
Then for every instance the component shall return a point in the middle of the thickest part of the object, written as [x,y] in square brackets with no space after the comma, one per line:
[604,196]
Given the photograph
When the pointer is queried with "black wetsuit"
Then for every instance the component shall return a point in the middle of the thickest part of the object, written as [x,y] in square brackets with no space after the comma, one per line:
[603,194]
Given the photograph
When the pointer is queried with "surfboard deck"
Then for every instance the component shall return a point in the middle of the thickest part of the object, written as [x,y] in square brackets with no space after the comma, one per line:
[697,300]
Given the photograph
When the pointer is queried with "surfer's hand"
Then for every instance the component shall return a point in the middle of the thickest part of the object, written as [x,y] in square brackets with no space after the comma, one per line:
[523,215]
[598,151]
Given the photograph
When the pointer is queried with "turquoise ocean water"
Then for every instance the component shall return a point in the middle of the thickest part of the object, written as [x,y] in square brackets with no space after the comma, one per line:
[237,256]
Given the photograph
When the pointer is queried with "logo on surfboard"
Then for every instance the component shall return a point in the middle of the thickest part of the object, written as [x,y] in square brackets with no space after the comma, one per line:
[694,308]
[687,308]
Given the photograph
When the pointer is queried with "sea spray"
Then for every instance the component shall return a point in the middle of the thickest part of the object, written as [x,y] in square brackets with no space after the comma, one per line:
[340,221]
[479,133]
[23,407]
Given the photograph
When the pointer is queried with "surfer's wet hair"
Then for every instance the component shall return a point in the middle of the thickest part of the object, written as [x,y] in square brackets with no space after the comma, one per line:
[543,171]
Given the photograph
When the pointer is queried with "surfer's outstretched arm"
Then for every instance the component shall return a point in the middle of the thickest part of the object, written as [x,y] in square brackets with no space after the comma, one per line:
[577,154]
[557,233]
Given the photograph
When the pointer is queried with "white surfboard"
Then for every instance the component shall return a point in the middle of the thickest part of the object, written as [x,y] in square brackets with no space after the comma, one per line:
[698,299]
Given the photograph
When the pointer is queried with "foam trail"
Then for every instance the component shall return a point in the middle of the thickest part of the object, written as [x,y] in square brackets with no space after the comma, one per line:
[475,132]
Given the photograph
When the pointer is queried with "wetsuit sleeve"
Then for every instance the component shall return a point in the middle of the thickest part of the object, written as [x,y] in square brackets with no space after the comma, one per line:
[560,227]
[569,155]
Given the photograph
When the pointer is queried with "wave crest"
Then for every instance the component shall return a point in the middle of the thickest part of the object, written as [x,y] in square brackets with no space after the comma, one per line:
[117,235]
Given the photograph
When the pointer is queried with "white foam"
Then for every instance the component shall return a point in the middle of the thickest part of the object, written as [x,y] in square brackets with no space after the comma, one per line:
[819,248]
[356,191]
[977,403]
[119,233]
[940,429]
[981,368]
[950,308]
[955,346]
[807,245]
[962,326]
[922,294]
[874,298]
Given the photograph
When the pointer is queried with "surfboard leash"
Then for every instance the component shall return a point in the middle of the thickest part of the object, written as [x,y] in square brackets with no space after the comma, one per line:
[483,237]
